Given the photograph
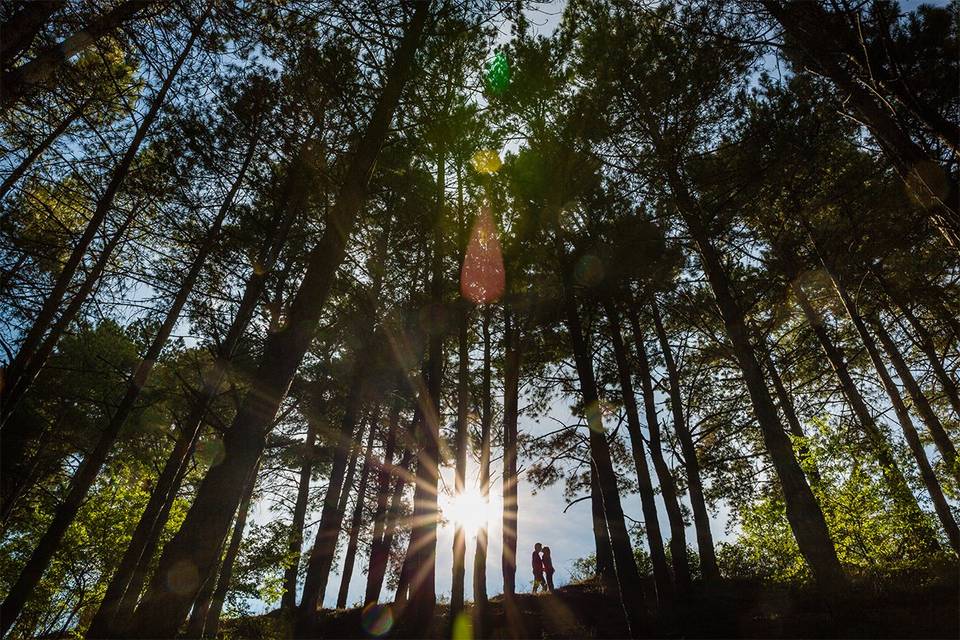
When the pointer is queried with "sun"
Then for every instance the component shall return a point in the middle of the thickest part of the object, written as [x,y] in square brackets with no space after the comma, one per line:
[469,510]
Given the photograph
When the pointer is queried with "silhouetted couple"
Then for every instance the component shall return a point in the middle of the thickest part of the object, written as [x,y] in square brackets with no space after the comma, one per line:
[542,567]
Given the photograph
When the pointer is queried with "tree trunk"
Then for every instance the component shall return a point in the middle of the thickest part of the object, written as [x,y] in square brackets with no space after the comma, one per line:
[16,383]
[378,569]
[917,518]
[219,494]
[91,466]
[422,601]
[19,32]
[668,487]
[294,547]
[11,180]
[20,81]
[147,527]
[628,582]
[925,342]
[144,537]
[803,512]
[937,432]
[511,404]
[379,554]
[691,464]
[19,433]
[601,536]
[893,477]
[648,501]
[356,522]
[128,603]
[486,417]
[790,413]
[211,621]
[460,469]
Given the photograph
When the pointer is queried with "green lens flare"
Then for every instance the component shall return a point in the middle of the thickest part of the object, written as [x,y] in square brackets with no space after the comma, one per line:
[498,73]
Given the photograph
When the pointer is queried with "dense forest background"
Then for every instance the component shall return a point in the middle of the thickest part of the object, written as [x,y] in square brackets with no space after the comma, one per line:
[281,278]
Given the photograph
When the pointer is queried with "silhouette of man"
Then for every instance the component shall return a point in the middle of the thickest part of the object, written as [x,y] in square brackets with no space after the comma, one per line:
[538,580]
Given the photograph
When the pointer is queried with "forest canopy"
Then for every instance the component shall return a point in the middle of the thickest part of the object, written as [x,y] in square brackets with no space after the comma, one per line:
[321,304]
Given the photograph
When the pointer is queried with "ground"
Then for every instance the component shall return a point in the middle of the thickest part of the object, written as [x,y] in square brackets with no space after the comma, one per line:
[906,608]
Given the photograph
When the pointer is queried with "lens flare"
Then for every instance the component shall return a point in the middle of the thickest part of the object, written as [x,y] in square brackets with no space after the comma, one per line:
[498,73]
[486,161]
[377,619]
[482,277]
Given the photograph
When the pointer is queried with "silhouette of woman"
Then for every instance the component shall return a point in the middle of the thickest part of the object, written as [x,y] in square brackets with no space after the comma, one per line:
[548,569]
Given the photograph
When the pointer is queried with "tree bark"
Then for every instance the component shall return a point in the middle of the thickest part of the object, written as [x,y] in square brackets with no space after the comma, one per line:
[628,582]
[460,468]
[418,614]
[893,477]
[85,476]
[937,432]
[917,518]
[211,620]
[378,563]
[511,403]
[925,342]
[20,81]
[294,547]
[803,512]
[219,494]
[144,537]
[356,522]
[16,382]
[648,501]
[601,536]
[486,417]
[378,554]
[691,464]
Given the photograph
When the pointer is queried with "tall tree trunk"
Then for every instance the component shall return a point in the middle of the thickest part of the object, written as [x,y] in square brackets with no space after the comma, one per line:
[219,494]
[18,172]
[803,512]
[16,383]
[709,568]
[356,522]
[128,603]
[601,536]
[378,569]
[19,432]
[20,81]
[917,518]
[511,406]
[19,32]
[460,468]
[422,601]
[289,598]
[668,487]
[937,432]
[144,537]
[925,342]
[148,527]
[900,491]
[628,582]
[648,501]
[85,476]
[378,554]
[790,413]
[211,621]
[486,417]
[815,31]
